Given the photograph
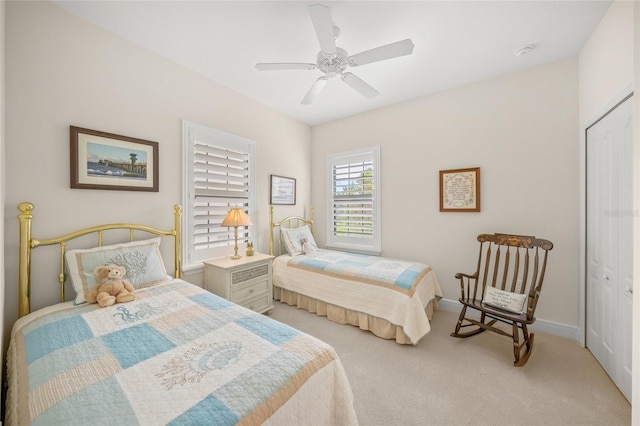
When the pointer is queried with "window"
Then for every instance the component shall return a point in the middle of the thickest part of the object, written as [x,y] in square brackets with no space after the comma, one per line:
[218,176]
[354,201]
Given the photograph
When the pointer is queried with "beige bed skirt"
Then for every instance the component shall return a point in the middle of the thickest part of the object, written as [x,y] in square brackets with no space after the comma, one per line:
[378,326]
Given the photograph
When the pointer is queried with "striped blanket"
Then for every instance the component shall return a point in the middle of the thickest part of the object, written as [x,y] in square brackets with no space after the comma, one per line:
[176,355]
[391,273]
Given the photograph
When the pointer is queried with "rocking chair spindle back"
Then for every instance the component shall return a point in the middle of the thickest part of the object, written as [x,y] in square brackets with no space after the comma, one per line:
[505,288]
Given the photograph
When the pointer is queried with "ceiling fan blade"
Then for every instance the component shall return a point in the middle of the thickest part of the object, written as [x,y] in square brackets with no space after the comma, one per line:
[322,22]
[359,85]
[393,50]
[315,90]
[285,66]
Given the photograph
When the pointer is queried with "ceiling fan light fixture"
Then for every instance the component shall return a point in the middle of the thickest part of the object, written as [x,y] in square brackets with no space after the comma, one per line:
[333,65]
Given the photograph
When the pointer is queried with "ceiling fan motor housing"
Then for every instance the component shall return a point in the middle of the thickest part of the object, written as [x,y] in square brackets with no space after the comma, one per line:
[333,65]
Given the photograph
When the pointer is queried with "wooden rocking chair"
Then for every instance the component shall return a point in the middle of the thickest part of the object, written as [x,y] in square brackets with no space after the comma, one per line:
[505,288]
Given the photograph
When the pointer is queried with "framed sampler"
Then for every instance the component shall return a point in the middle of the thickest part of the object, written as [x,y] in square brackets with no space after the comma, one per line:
[460,190]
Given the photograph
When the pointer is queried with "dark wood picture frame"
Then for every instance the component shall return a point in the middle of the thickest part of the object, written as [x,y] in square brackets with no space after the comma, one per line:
[282,190]
[460,190]
[101,160]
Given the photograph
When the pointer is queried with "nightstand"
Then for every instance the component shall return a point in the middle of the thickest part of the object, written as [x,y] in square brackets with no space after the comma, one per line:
[245,281]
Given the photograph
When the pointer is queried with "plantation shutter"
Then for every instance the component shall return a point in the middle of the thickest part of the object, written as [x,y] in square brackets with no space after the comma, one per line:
[218,176]
[353,198]
[221,182]
[354,201]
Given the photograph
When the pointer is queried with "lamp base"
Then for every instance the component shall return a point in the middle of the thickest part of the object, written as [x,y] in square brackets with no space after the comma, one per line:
[236,257]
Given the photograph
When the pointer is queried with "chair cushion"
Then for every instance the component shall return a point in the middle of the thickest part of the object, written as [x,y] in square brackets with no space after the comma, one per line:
[505,300]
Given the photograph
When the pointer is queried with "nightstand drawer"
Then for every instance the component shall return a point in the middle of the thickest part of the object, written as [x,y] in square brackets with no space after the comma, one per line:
[258,304]
[248,274]
[239,293]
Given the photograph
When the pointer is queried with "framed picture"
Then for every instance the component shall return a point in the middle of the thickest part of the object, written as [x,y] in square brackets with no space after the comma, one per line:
[101,160]
[283,190]
[460,190]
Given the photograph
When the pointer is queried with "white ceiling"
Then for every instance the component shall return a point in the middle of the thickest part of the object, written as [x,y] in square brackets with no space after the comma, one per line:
[456,43]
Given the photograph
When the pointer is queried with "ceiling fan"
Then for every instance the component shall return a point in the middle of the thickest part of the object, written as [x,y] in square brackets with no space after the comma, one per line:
[333,61]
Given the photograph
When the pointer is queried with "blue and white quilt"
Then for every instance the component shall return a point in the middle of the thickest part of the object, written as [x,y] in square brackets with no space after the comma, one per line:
[396,274]
[392,298]
[176,355]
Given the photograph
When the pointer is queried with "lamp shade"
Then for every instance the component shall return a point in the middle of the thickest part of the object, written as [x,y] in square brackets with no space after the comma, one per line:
[236,217]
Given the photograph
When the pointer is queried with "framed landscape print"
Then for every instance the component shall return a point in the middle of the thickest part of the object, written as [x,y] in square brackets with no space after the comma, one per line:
[101,160]
[460,190]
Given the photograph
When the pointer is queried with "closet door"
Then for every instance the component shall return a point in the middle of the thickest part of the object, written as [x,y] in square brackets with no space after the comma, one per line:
[610,243]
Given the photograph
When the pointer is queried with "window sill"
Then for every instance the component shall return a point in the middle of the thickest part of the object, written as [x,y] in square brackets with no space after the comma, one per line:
[355,249]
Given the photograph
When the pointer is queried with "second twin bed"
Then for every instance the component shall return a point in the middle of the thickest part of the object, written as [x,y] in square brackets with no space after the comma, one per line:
[392,298]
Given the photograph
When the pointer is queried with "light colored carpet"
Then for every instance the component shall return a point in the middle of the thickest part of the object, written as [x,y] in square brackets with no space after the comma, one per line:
[449,381]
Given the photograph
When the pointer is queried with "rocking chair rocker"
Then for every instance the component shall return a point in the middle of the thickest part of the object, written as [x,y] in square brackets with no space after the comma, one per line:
[505,288]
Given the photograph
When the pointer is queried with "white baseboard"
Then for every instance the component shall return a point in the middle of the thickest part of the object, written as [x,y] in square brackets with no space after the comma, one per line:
[558,329]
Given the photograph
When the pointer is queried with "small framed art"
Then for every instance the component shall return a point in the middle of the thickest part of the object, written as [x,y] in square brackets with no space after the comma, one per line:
[460,190]
[283,190]
[101,160]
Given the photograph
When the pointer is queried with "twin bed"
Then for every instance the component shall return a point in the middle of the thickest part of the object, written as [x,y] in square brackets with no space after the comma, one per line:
[175,355]
[394,299]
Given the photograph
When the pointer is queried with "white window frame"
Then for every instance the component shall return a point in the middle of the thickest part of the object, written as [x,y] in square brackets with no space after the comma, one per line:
[221,240]
[363,244]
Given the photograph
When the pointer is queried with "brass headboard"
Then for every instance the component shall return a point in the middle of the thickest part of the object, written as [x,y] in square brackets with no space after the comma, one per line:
[27,243]
[288,222]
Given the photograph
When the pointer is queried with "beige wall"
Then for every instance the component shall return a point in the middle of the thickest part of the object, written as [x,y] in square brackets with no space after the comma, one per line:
[63,71]
[520,129]
[606,63]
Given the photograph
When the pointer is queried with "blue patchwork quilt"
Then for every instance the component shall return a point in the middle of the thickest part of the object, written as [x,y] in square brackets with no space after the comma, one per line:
[396,274]
[176,355]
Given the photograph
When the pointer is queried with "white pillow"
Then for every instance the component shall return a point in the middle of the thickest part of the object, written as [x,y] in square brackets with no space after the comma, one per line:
[293,239]
[141,259]
[505,300]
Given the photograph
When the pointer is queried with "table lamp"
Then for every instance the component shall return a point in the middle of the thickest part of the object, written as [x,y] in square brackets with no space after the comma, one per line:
[236,217]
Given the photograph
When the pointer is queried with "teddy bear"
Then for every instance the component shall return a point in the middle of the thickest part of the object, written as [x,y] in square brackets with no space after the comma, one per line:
[112,287]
